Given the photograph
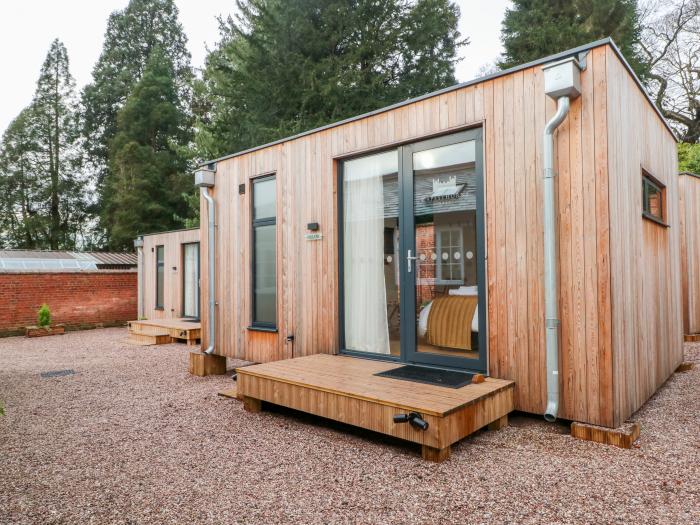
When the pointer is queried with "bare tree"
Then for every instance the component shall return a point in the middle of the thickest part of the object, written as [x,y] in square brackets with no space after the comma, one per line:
[670,41]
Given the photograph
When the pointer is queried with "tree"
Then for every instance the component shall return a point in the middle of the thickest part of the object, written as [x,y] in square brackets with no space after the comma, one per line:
[132,34]
[671,45]
[149,169]
[45,203]
[21,224]
[533,29]
[689,157]
[285,66]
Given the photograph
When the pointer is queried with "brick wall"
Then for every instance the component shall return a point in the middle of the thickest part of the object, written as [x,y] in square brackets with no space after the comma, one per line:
[76,299]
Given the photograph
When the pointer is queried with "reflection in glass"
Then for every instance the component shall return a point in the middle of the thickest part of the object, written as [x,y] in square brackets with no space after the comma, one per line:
[447,301]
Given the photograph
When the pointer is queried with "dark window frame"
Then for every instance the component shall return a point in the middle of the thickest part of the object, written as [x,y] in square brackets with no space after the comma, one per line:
[160,265]
[262,326]
[198,290]
[648,181]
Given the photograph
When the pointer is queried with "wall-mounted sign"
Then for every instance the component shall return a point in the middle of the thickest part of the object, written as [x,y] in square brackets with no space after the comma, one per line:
[313,236]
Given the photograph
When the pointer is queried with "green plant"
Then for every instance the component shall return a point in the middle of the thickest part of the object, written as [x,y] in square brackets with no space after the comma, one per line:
[44,316]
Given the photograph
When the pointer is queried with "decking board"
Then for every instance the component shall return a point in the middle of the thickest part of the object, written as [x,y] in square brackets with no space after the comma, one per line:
[346,389]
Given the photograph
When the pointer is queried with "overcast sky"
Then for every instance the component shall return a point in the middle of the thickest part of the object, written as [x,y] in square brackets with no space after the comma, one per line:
[27,28]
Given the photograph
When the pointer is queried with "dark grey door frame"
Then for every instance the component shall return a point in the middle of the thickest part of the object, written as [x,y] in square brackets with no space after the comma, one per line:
[199,274]
[407,241]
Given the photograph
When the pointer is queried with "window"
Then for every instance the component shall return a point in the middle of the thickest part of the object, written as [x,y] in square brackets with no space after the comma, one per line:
[264,253]
[449,248]
[653,196]
[160,275]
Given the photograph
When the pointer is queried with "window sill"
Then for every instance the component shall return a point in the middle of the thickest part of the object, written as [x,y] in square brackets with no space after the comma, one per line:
[655,220]
[269,329]
[159,308]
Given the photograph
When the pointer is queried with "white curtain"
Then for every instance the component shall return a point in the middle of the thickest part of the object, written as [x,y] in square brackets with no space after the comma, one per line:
[191,271]
[366,324]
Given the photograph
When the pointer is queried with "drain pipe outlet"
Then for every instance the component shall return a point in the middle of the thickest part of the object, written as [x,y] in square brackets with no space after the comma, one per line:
[204,179]
[562,82]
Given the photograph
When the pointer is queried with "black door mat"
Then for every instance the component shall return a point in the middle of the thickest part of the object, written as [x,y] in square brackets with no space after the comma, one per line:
[430,376]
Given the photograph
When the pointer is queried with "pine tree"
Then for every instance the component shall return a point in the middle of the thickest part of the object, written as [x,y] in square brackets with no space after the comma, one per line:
[45,198]
[149,169]
[132,34]
[285,66]
[21,218]
[533,29]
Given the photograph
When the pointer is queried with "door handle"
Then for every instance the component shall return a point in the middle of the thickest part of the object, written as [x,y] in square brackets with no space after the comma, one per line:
[409,258]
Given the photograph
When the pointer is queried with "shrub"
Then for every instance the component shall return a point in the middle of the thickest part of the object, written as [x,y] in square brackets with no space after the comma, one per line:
[44,316]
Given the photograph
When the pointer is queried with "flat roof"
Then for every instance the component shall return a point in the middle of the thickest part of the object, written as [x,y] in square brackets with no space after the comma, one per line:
[697,176]
[167,231]
[558,56]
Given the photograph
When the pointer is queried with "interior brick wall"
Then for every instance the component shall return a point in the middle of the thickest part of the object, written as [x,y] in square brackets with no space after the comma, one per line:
[76,299]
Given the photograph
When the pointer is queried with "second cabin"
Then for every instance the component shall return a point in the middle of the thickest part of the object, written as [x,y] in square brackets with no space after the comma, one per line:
[420,233]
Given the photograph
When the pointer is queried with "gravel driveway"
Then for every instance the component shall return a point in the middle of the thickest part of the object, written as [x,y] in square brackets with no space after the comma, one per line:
[132,438]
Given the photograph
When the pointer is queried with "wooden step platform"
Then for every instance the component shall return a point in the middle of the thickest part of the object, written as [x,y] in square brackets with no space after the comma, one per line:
[346,389]
[137,338]
[176,330]
[691,338]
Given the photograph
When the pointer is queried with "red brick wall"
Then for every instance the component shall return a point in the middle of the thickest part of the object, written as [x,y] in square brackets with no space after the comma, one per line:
[76,299]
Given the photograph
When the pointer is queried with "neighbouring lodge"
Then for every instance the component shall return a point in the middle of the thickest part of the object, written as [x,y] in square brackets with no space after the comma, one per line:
[689,192]
[524,225]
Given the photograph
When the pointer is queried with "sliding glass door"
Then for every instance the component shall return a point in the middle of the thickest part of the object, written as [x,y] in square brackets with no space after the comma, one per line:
[412,266]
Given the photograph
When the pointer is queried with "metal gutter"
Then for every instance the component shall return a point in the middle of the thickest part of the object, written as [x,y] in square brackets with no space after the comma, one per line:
[168,231]
[564,54]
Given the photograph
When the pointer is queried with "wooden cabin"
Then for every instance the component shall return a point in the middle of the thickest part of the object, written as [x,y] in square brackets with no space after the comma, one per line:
[689,213]
[169,273]
[414,234]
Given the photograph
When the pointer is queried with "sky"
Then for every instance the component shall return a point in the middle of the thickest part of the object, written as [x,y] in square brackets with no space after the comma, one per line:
[27,28]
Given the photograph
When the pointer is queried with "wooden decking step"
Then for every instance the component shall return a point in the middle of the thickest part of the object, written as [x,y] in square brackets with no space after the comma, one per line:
[692,338]
[148,339]
[347,389]
[229,392]
[623,437]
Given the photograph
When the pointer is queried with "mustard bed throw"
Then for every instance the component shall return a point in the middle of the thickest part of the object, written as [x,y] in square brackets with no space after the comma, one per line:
[450,320]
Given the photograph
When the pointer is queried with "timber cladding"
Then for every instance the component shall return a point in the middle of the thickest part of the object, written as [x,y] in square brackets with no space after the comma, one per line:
[620,295]
[173,260]
[689,211]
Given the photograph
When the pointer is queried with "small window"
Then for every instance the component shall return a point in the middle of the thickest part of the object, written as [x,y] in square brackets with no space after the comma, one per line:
[160,275]
[264,253]
[449,247]
[653,197]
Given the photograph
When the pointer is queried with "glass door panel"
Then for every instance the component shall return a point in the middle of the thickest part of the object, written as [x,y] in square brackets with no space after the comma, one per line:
[370,271]
[445,260]
[190,295]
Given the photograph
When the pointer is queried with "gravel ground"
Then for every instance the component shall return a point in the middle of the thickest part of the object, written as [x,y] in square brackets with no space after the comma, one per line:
[132,438]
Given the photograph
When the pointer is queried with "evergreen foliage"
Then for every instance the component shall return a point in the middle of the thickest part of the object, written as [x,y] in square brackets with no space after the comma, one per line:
[689,157]
[131,35]
[285,66]
[44,316]
[533,29]
[44,202]
[148,167]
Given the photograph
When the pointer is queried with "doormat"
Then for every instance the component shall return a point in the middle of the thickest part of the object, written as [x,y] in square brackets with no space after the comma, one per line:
[430,376]
[58,373]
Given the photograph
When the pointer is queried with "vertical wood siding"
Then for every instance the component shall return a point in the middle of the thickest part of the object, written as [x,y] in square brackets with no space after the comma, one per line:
[172,277]
[689,218]
[645,256]
[512,111]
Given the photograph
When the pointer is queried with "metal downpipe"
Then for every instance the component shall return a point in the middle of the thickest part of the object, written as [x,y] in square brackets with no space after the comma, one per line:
[551,292]
[211,255]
